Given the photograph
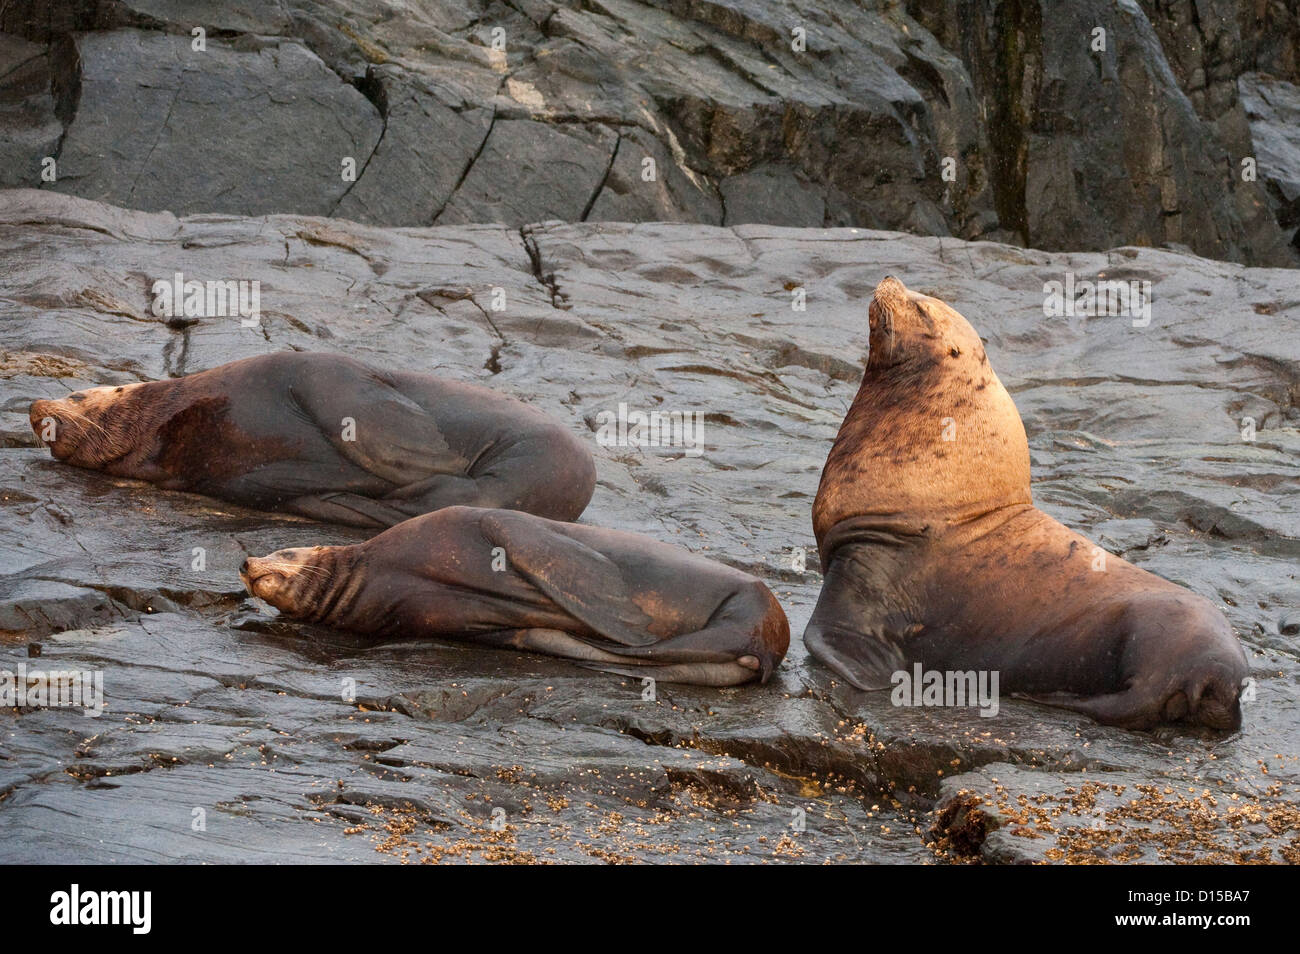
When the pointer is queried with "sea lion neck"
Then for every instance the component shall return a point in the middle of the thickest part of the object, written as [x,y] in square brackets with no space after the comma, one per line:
[932,438]
[143,411]
[327,587]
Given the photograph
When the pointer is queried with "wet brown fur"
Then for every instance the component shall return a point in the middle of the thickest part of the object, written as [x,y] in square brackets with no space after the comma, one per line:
[266,432]
[601,596]
[199,444]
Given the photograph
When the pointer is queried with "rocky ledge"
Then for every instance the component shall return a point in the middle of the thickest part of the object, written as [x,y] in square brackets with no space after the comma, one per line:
[228,735]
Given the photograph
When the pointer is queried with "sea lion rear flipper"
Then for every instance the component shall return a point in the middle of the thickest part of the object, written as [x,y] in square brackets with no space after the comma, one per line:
[582,653]
[690,674]
[848,633]
[1130,708]
[581,581]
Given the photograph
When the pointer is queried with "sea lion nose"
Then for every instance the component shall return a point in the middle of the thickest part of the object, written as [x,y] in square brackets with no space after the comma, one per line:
[243,567]
[890,288]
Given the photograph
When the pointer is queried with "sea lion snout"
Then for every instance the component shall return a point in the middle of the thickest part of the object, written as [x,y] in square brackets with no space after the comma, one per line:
[250,571]
[269,577]
[890,292]
[899,322]
[58,425]
[291,580]
[892,300]
[890,295]
[45,422]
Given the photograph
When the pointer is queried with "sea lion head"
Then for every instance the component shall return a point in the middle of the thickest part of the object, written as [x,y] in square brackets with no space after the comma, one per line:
[295,581]
[90,428]
[915,331]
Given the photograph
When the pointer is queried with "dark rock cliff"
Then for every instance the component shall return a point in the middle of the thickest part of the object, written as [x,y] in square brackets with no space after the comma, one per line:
[999,119]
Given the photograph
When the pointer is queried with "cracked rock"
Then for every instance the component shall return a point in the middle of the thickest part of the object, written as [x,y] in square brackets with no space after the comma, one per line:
[503,182]
[297,743]
[913,116]
[160,126]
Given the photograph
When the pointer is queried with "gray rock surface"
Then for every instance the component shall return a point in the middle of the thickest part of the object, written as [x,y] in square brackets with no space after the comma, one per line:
[1273,109]
[30,128]
[797,112]
[273,119]
[213,704]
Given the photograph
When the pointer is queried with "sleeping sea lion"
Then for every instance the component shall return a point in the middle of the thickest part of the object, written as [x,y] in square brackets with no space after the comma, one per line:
[610,599]
[328,437]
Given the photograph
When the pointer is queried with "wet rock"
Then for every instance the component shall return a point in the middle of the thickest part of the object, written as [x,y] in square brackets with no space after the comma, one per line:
[292,742]
[1273,108]
[31,130]
[1009,815]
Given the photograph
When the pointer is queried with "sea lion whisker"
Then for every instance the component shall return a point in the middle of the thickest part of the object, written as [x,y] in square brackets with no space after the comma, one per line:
[296,567]
[74,415]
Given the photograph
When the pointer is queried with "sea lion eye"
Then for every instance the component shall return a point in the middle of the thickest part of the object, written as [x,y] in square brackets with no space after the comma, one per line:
[954,352]
[117,390]
[76,398]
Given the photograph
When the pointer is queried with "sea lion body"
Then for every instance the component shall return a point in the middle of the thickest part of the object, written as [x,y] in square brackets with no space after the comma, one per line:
[326,437]
[611,599]
[934,553]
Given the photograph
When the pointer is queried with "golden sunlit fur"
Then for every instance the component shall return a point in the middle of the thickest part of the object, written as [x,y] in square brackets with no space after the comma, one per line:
[934,554]
[929,414]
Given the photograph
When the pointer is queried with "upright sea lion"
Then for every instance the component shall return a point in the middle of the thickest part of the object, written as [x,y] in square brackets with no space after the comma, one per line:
[613,600]
[934,553]
[327,437]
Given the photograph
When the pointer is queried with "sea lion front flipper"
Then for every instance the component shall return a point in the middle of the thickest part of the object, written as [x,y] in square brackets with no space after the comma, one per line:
[351,509]
[848,631]
[381,430]
[581,581]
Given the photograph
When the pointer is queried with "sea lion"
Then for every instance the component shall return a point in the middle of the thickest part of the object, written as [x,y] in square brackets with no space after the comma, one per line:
[327,437]
[607,598]
[934,553]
